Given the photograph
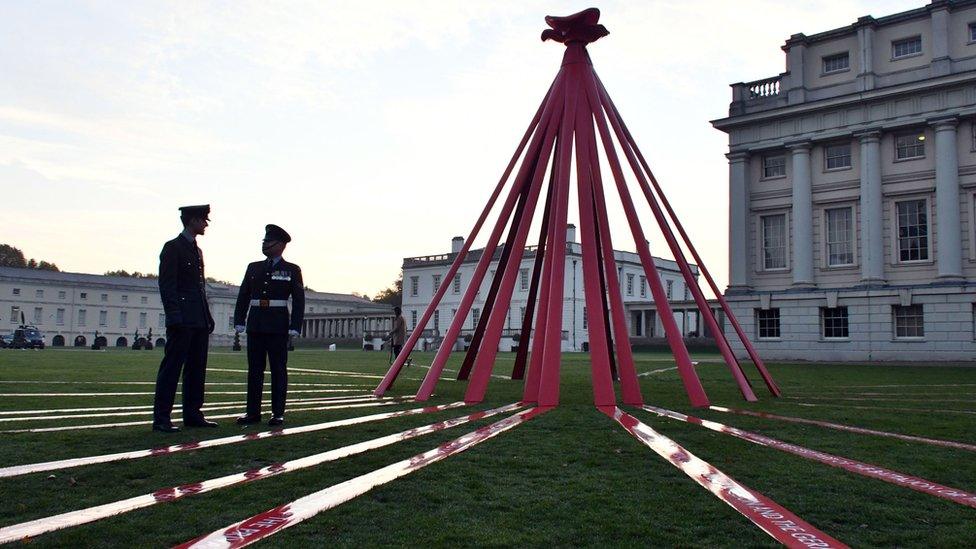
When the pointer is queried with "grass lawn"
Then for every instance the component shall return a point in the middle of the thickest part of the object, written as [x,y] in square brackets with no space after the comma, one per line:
[570,477]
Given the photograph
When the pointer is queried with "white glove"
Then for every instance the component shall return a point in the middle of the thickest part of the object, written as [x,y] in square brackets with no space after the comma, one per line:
[239,328]
[293,333]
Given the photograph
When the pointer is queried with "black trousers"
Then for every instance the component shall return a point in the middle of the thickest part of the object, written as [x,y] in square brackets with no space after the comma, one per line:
[186,352]
[274,348]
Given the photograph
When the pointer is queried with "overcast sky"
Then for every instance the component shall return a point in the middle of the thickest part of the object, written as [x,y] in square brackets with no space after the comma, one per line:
[371,131]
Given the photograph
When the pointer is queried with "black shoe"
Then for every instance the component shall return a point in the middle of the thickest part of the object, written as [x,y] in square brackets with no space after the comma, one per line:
[199,422]
[165,428]
[276,420]
[248,420]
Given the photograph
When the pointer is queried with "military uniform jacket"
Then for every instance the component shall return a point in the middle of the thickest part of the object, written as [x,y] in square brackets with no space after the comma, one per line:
[262,282]
[182,286]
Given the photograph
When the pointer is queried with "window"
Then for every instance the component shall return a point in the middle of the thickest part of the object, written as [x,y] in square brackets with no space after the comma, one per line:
[774,241]
[16,291]
[457,283]
[972,32]
[414,285]
[123,319]
[913,230]
[909,146]
[906,47]
[686,292]
[833,322]
[14,315]
[585,321]
[670,290]
[630,284]
[104,297]
[767,323]
[437,320]
[413,319]
[437,282]
[162,320]
[82,317]
[103,318]
[60,317]
[774,166]
[62,294]
[38,315]
[837,157]
[840,236]
[475,316]
[230,321]
[38,293]
[84,295]
[908,321]
[522,313]
[143,300]
[523,279]
[643,286]
[143,320]
[836,63]
[125,299]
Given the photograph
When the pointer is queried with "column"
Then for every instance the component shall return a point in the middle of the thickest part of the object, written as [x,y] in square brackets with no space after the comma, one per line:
[739,177]
[865,47]
[871,222]
[802,252]
[949,237]
[941,63]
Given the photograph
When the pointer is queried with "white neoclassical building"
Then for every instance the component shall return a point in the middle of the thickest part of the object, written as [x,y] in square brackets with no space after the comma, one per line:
[423,275]
[69,307]
[852,191]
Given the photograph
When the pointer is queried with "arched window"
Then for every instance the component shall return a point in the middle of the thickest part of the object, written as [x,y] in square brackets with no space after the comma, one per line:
[58,341]
[80,341]
[121,342]
[160,342]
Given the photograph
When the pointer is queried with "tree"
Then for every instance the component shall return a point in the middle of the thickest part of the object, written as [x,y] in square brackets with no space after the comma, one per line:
[127,274]
[392,295]
[45,266]
[11,257]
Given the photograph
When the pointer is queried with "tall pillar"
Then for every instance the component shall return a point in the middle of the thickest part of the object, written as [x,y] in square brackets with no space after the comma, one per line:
[949,248]
[872,214]
[739,177]
[865,49]
[802,252]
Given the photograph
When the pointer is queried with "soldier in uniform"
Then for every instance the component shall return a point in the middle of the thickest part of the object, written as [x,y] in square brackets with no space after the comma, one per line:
[263,302]
[183,291]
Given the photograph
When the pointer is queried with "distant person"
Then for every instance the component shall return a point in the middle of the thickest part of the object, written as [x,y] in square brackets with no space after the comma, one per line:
[398,335]
[263,303]
[183,291]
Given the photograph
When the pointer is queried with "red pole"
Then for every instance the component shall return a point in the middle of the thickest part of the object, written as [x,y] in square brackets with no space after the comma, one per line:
[540,139]
[518,371]
[479,331]
[489,346]
[696,393]
[603,394]
[574,62]
[397,365]
[629,386]
[767,378]
[679,257]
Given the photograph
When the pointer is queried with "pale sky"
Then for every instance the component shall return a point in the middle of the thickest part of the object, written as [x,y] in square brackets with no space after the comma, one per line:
[371,131]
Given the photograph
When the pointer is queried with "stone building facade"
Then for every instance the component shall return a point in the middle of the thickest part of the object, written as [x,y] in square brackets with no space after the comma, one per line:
[423,275]
[852,192]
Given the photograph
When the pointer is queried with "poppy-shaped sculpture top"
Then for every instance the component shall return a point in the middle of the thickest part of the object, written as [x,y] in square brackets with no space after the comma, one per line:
[580,27]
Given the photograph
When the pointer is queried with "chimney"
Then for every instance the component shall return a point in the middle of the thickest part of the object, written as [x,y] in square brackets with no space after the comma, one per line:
[456,243]
[570,233]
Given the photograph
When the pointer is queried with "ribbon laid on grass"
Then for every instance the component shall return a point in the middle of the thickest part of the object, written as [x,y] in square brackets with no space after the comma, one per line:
[275,520]
[92,514]
[881,408]
[306,372]
[17,470]
[130,413]
[151,393]
[150,406]
[775,520]
[208,384]
[849,428]
[852,466]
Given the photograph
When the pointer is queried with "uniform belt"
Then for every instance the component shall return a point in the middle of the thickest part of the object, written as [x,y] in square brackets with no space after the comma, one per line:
[269,303]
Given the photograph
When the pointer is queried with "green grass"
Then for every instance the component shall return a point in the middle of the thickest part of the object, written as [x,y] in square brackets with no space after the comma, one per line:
[571,477]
